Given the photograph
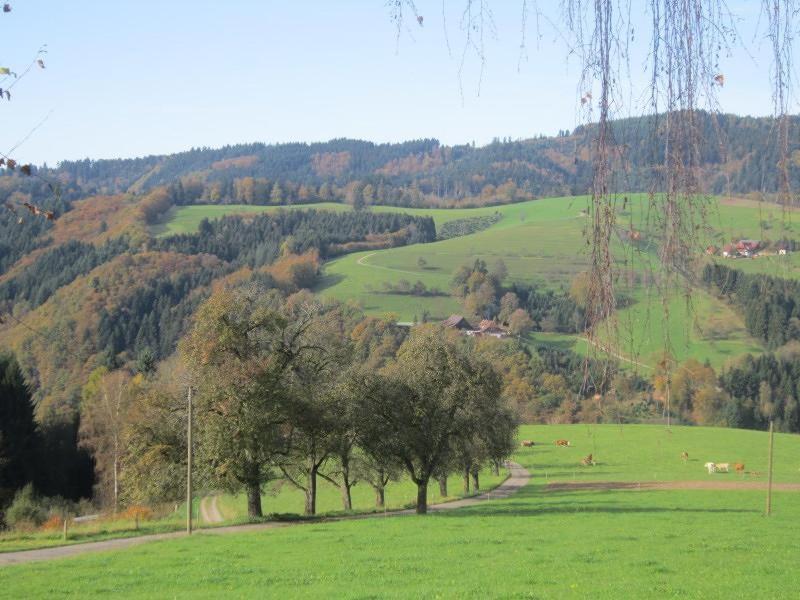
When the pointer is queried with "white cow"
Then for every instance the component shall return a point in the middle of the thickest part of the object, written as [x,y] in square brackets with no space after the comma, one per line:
[723,467]
[712,468]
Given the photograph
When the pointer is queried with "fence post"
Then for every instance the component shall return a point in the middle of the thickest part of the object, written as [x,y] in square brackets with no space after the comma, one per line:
[769,470]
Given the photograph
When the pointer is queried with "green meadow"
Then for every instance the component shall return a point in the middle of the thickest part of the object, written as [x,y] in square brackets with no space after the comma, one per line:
[565,543]
[544,242]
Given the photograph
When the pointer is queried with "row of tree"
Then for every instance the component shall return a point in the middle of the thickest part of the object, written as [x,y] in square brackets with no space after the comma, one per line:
[289,388]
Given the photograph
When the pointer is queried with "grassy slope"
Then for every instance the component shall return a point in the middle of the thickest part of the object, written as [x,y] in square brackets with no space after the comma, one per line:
[543,241]
[549,545]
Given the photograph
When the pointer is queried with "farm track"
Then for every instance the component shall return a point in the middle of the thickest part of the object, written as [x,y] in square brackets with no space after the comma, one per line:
[668,485]
[518,478]
[209,510]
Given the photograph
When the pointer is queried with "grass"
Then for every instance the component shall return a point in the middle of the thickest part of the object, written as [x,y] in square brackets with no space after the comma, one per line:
[280,500]
[399,494]
[543,241]
[536,544]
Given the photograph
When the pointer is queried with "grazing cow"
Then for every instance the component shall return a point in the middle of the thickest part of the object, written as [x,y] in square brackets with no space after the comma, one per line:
[684,456]
[562,442]
[739,467]
[712,468]
[527,443]
[723,467]
[588,461]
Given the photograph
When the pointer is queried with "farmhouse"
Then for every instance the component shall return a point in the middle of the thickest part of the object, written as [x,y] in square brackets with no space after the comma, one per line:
[490,328]
[457,322]
[748,248]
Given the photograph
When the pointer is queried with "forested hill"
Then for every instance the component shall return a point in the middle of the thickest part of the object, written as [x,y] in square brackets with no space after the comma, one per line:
[739,155]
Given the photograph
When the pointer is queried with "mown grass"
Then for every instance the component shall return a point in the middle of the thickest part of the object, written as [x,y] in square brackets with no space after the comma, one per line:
[286,498]
[279,501]
[536,544]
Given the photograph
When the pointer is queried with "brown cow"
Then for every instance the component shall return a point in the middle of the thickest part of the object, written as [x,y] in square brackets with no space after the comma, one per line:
[527,443]
[684,456]
[739,468]
[562,442]
[588,461]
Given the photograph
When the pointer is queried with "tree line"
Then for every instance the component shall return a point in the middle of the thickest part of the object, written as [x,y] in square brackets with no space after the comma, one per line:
[286,388]
[770,305]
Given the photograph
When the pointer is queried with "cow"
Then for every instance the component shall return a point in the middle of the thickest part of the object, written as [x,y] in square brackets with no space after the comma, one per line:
[588,461]
[527,443]
[712,468]
[739,468]
[684,456]
[562,443]
[723,467]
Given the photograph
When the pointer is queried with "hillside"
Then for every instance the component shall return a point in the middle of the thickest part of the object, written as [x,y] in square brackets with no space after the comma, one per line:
[738,155]
[135,245]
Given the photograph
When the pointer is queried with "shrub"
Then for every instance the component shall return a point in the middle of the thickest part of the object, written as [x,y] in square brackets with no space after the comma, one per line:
[27,509]
[143,513]
[54,523]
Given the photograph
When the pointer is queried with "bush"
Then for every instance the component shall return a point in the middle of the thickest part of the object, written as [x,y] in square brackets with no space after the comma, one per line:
[143,513]
[54,523]
[27,509]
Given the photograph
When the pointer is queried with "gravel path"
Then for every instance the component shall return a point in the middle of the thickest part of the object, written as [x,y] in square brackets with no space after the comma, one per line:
[519,478]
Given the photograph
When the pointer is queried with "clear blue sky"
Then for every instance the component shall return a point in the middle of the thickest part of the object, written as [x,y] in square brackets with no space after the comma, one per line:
[127,78]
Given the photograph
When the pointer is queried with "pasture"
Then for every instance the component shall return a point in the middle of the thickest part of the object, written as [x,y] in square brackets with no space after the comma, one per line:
[566,543]
[543,242]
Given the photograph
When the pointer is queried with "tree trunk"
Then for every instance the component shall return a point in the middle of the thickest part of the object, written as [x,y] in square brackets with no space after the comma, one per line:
[116,483]
[254,500]
[495,467]
[466,481]
[311,492]
[442,486]
[380,496]
[347,498]
[422,498]
[475,482]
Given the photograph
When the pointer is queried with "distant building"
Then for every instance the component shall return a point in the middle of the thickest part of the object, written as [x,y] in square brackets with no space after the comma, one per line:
[457,322]
[729,251]
[748,247]
[491,328]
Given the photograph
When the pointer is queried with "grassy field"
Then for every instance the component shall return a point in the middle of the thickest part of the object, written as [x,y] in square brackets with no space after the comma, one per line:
[537,544]
[543,241]
[399,494]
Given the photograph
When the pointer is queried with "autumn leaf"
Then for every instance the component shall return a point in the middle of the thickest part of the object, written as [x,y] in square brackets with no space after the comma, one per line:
[25,169]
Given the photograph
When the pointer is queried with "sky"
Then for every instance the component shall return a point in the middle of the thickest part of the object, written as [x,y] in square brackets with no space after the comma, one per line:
[128,78]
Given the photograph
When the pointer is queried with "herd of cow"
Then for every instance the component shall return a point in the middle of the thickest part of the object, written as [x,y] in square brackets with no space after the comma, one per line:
[588,461]
[724,467]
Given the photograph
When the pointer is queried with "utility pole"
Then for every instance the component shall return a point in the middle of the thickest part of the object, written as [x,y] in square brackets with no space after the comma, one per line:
[189,464]
[769,470]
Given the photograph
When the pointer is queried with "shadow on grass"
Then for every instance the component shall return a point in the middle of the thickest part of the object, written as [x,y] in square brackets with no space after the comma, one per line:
[328,280]
[532,501]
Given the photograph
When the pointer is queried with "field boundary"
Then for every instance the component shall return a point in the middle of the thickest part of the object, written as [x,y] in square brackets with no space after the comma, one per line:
[518,478]
[668,485]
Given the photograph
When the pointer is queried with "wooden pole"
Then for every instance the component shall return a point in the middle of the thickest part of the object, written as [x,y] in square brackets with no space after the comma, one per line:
[65,527]
[769,471]
[189,464]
